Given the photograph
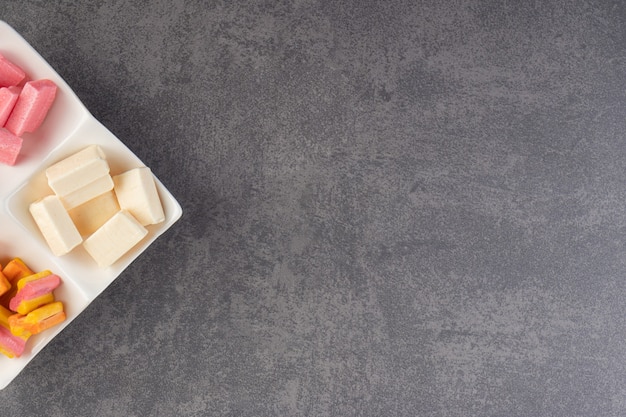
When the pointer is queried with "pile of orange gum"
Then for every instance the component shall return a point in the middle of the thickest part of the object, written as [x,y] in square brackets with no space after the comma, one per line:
[27,305]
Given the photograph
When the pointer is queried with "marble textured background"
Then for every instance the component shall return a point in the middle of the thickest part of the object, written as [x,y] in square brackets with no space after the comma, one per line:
[391,208]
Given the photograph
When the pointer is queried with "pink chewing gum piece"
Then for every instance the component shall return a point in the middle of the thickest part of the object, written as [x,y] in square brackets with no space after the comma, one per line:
[10,146]
[31,107]
[10,74]
[35,289]
[8,97]
[11,345]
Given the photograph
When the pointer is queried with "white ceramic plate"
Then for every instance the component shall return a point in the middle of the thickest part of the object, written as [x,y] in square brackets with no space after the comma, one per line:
[68,128]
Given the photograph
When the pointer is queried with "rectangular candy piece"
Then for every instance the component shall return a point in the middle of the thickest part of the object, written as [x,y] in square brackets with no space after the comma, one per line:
[116,237]
[34,293]
[5,299]
[16,269]
[77,170]
[5,285]
[37,320]
[8,97]
[26,306]
[88,192]
[10,345]
[137,193]
[18,273]
[88,217]
[10,74]
[10,146]
[20,283]
[32,106]
[55,225]
[5,313]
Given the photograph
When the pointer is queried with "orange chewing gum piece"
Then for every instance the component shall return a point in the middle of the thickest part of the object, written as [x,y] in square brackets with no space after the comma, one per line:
[5,313]
[13,271]
[16,269]
[5,285]
[37,320]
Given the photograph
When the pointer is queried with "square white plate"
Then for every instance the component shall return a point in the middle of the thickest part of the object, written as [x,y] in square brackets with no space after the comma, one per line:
[67,128]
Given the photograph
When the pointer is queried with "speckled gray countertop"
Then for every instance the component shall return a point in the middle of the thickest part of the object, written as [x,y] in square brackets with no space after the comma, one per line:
[391,208]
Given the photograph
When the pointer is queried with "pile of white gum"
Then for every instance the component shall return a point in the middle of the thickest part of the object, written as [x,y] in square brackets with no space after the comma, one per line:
[107,214]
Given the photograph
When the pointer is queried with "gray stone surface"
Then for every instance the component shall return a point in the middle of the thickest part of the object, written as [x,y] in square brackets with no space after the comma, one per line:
[391,208]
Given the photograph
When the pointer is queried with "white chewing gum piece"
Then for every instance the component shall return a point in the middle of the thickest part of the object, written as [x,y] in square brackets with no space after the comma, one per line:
[136,192]
[88,217]
[114,238]
[55,225]
[77,170]
[87,192]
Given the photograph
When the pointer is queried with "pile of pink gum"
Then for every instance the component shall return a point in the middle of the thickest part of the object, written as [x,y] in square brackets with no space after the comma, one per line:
[27,305]
[23,107]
